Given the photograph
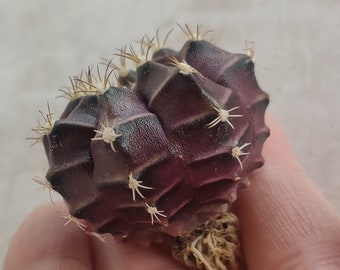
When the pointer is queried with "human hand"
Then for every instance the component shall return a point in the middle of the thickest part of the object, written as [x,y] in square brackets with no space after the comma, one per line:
[285,224]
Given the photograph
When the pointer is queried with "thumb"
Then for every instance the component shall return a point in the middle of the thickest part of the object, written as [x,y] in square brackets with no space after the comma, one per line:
[285,222]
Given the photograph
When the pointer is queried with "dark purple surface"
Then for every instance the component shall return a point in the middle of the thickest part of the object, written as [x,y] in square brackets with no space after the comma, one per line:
[165,143]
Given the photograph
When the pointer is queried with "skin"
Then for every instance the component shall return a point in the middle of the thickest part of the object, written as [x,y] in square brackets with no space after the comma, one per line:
[285,224]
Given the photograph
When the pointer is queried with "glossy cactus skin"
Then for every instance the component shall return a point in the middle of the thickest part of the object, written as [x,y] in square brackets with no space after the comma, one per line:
[187,130]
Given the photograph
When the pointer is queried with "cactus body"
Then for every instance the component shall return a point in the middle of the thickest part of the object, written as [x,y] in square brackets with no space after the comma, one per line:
[167,149]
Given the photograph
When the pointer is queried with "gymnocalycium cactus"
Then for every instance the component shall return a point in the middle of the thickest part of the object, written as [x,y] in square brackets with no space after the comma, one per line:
[163,152]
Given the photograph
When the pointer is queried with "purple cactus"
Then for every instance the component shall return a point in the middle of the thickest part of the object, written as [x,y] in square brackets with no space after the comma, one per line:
[166,150]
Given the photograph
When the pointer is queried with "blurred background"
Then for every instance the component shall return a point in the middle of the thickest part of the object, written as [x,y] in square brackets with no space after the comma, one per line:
[43,42]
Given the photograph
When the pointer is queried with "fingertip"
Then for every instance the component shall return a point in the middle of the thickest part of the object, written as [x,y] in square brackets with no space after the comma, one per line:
[44,242]
[283,217]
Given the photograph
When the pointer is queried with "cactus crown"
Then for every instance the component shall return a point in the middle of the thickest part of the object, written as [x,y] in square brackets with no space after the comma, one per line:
[164,150]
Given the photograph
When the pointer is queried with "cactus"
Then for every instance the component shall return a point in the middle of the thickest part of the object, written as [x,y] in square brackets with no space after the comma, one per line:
[163,152]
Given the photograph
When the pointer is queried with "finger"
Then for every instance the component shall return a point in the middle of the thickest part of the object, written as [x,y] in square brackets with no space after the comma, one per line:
[44,242]
[285,222]
[132,256]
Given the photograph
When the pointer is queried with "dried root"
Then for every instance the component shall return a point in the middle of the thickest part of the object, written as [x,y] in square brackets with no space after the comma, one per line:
[212,246]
